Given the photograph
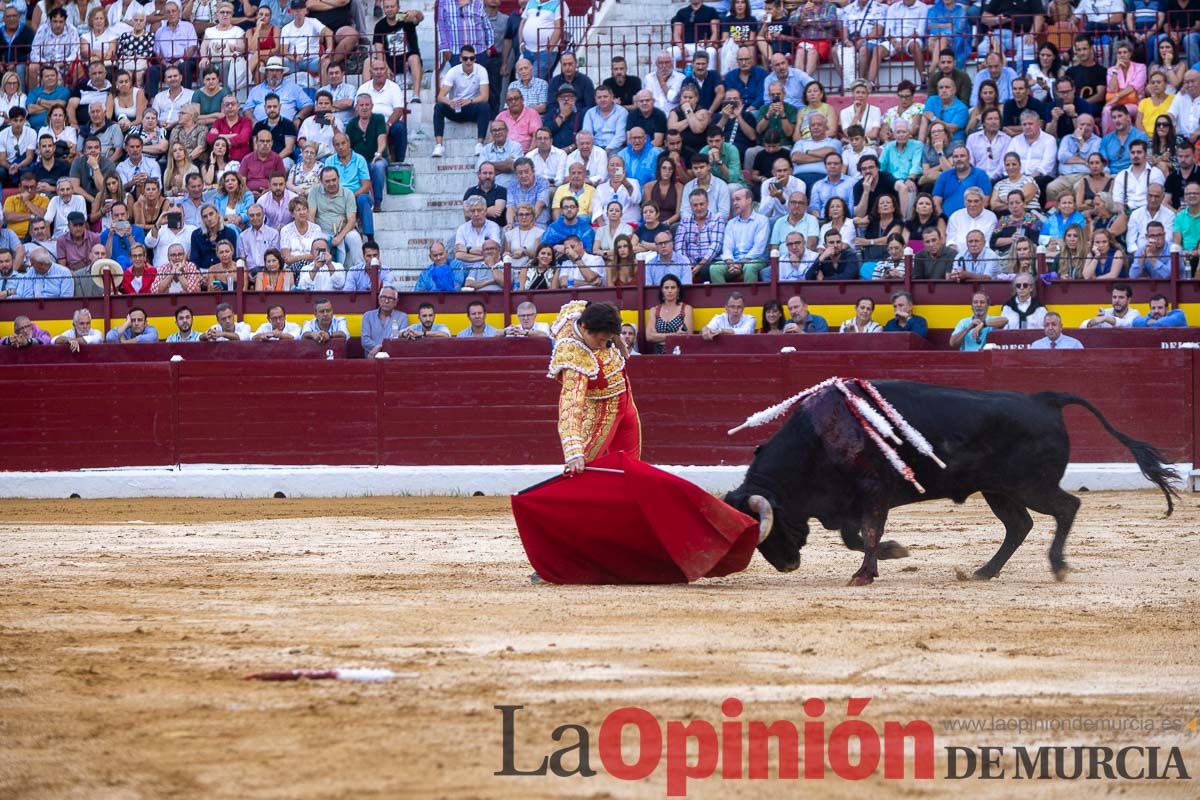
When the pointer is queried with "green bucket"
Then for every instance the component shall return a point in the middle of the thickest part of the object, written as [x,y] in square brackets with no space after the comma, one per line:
[400,179]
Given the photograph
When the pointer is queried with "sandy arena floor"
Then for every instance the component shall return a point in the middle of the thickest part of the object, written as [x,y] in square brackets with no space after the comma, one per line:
[125,629]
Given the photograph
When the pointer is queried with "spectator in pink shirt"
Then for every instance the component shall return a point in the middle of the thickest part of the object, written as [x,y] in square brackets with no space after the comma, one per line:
[522,121]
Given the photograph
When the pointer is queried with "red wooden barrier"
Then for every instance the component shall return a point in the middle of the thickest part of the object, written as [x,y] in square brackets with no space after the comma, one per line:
[465,348]
[1102,337]
[270,412]
[502,410]
[162,351]
[86,415]
[690,344]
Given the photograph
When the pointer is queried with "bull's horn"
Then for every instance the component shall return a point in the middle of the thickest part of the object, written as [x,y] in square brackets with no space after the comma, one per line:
[766,515]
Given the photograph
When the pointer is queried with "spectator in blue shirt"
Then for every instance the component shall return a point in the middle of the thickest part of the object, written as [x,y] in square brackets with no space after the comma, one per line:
[120,236]
[1161,315]
[45,279]
[905,320]
[1153,259]
[134,330]
[292,99]
[800,320]
[355,175]
[569,223]
[949,109]
[748,78]
[994,70]
[834,184]
[1115,145]
[640,157]
[948,191]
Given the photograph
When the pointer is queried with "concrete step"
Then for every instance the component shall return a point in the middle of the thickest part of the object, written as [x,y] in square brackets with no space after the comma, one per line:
[429,219]
[411,239]
[422,201]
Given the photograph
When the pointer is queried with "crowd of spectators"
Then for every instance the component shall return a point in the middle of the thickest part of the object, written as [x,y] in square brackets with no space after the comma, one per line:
[178,144]
[1035,141]
[176,147]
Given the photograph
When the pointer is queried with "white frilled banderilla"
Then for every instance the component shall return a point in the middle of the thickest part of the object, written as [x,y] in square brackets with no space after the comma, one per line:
[879,424]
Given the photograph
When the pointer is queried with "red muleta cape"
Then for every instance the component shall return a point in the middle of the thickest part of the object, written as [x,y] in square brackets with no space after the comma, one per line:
[641,526]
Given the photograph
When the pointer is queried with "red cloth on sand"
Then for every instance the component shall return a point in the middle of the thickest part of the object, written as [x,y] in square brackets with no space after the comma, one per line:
[642,526]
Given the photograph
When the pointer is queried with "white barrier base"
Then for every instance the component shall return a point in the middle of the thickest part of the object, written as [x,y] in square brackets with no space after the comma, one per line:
[217,480]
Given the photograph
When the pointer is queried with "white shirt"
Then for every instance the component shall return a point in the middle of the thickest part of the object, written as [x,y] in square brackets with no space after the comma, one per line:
[1130,187]
[553,167]
[1126,321]
[91,337]
[631,202]
[527,241]
[221,42]
[463,86]
[323,281]
[162,240]
[1099,10]
[540,20]
[242,329]
[792,270]
[16,147]
[572,272]
[469,236]
[1185,110]
[117,15]
[859,20]
[386,100]
[597,164]
[961,223]
[851,326]
[987,264]
[290,328]
[168,107]
[292,240]
[665,100]
[304,40]
[905,20]
[1040,156]
[773,207]
[320,135]
[871,119]
[1135,234]
[1034,321]
[720,322]
[57,211]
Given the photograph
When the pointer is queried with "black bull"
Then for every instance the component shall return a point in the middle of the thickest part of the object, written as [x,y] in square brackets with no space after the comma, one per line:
[1010,446]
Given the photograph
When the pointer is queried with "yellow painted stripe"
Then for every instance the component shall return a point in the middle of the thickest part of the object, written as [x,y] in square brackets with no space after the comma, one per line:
[938,316]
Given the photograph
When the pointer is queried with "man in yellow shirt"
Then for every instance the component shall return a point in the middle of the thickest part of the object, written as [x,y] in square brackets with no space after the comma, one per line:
[26,205]
[577,187]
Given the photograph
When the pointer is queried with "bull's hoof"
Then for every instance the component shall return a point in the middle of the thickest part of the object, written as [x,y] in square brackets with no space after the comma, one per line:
[1060,573]
[861,580]
[977,575]
[890,550]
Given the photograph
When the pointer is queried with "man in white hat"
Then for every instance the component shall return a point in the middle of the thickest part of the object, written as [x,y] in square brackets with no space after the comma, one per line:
[294,103]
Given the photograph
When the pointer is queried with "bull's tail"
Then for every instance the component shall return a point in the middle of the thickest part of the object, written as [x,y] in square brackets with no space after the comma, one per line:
[1149,458]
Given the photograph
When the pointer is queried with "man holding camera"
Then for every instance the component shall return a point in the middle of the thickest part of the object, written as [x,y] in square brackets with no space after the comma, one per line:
[321,126]
[121,236]
[169,230]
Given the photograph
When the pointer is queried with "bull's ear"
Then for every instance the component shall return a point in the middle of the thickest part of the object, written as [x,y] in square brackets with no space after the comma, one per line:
[757,448]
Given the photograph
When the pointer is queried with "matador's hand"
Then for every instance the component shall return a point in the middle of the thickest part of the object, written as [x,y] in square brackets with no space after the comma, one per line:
[573,467]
